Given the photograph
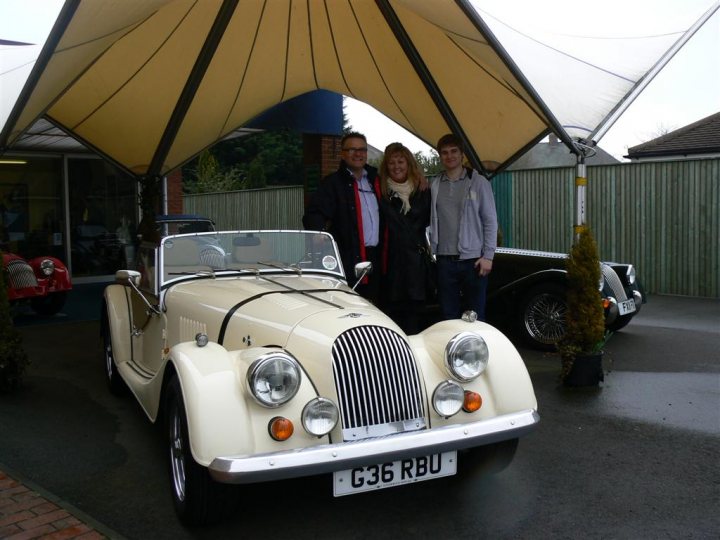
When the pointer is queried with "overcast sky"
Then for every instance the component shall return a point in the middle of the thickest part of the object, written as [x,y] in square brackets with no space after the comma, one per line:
[686,90]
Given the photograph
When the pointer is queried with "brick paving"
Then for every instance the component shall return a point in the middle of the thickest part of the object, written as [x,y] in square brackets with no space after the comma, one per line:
[27,513]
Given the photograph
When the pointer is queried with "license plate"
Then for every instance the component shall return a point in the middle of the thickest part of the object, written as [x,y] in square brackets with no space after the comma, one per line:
[394,473]
[626,306]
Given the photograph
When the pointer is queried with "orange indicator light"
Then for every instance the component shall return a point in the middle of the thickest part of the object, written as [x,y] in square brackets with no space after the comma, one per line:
[472,401]
[281,429]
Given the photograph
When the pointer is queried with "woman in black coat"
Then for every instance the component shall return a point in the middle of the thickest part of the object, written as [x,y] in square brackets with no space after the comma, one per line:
[405,206]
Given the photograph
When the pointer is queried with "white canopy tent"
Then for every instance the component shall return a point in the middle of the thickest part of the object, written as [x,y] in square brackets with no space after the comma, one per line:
[151,83]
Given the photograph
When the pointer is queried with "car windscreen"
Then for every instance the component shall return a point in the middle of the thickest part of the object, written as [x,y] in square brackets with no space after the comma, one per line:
[257,251]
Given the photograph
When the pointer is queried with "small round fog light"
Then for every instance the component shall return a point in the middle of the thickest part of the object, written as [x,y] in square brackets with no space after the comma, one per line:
[201,339]
[448,398]
[319,416]
[280,429]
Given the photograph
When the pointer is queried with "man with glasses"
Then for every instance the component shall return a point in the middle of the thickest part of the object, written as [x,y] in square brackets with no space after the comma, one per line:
[346,205]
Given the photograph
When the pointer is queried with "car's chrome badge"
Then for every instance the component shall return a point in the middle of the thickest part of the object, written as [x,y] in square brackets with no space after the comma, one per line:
[329,262]
[353,315]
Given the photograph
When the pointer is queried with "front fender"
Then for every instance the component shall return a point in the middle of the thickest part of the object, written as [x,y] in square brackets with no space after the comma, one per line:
[519,286]
[505,386]
[119,319]
[60,278]
[223,418]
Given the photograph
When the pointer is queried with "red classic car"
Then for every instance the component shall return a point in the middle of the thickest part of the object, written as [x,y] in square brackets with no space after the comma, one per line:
[42,281]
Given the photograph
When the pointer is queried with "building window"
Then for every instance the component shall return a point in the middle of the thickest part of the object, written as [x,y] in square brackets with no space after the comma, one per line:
[32,221]
[103,217]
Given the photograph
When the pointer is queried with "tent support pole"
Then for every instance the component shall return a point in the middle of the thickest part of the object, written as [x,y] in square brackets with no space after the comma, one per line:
[580,196]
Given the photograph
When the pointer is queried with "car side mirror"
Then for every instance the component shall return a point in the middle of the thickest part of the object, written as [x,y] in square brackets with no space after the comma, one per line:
[132,279]
[126,277]
[362,269]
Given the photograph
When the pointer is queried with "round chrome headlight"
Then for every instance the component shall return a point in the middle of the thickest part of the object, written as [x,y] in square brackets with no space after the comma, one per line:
[448,398]
[47,267]
[466,356]
[631,276]
[319,416]
[274,379]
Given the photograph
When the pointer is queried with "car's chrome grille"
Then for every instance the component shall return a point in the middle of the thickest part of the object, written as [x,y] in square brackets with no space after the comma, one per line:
[213,258]
[613,281]
[377,382]
[21,275]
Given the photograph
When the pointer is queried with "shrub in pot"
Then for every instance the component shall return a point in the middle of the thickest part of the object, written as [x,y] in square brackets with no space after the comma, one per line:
[13,359]
[581,348]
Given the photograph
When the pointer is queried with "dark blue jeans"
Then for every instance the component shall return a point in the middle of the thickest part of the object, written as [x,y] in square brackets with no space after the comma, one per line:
[460,288]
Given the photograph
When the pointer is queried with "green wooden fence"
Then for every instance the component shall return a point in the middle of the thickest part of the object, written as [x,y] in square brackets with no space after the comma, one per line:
[664,217]
[271,208]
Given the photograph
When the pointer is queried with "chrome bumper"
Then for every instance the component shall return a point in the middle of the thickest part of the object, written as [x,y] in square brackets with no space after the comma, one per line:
[336,457]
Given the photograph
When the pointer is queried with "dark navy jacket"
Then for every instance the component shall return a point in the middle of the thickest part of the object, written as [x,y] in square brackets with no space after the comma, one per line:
[335,208]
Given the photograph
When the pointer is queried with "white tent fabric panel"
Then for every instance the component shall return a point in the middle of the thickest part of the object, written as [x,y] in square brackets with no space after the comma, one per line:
[98,25]
[16,62]
[588,60]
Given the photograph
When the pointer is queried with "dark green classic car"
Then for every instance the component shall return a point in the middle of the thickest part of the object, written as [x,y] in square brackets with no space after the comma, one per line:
[526,295]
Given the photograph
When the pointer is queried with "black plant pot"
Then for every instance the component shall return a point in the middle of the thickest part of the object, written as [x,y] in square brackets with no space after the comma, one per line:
[586,370]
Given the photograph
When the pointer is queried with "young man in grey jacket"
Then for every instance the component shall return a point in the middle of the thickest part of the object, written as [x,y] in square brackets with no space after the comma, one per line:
[463,232]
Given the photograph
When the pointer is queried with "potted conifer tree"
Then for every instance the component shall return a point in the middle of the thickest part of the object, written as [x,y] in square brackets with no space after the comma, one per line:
[581,349]
[13,359]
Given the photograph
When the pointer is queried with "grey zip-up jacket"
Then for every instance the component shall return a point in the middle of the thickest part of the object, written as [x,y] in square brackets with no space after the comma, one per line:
[478,222]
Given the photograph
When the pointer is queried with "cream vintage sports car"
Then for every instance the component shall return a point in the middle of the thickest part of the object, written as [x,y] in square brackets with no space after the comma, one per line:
[263,364]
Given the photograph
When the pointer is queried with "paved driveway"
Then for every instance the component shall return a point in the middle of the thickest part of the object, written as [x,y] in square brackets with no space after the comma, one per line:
[637,458]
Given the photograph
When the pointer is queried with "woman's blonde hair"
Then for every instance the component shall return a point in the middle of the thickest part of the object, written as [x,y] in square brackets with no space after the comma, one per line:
[414,172]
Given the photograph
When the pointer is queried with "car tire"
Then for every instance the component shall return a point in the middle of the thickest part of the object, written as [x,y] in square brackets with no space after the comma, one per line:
[620,323]
[541,320]
[115,382]
[197,498]
[488,459]
[49,305]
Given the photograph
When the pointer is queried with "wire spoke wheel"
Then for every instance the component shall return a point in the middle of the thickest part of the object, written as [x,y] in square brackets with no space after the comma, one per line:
[543,317]
[115,382]
[198,500]
[109,361]
[177,453]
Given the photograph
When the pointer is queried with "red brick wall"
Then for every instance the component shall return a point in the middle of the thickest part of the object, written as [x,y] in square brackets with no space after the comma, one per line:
[174,192]
[322,151]
[321,156]
[329,154]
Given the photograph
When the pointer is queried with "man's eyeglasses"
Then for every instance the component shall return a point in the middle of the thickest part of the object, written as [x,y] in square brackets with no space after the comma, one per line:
[355,150]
